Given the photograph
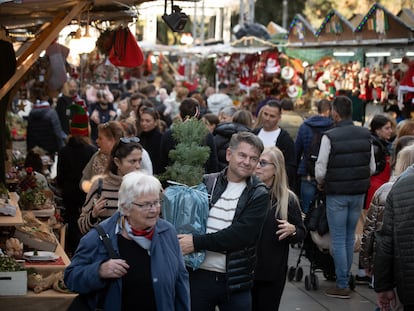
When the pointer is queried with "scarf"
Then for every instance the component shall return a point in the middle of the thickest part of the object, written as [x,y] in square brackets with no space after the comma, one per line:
[141,237]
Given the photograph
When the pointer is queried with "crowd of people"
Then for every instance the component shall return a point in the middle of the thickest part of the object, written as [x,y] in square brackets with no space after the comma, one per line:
[268,163]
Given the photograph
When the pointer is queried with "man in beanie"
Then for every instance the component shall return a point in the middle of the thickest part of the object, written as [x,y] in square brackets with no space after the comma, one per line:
[69,96]
[71,162]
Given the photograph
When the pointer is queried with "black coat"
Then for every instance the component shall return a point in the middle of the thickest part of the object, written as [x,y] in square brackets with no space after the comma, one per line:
[71,161]
[272,254]
[394,259]
[151,141]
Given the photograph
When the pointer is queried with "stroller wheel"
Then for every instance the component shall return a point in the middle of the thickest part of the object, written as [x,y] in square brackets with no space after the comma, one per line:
[308,284]
[299,274]
[314,281]
[291,273]
[351,282]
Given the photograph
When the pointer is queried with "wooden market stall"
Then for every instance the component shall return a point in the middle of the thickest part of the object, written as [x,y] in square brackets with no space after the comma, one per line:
[41,21]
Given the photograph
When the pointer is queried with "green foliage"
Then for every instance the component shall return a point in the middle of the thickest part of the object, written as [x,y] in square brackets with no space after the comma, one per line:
[32,197]
[4,193]
[9,264]
[190,131]
[189,155]
[272,11]
[207,67]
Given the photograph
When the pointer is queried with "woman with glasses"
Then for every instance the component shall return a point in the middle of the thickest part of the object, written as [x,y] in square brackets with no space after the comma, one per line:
[150,273]
[283,226]
[102,199]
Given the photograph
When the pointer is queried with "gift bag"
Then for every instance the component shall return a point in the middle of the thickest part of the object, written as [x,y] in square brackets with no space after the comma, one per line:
[125,51]
[187,209]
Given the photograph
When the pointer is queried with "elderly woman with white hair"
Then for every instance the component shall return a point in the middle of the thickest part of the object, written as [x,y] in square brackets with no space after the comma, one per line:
[149,273]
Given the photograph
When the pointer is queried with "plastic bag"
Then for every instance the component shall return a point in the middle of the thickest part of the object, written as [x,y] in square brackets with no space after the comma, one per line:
[187,209]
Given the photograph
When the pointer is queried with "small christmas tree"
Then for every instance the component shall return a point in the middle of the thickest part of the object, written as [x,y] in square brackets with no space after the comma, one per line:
[189,155]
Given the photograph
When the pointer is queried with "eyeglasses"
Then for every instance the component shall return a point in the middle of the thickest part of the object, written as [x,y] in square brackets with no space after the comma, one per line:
[146,206]
[264,163]
[127,140]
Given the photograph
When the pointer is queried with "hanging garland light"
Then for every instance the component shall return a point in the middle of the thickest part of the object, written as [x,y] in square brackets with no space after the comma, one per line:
[366,18]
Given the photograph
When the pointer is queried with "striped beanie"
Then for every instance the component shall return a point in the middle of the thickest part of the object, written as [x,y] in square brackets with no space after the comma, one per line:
[79,121]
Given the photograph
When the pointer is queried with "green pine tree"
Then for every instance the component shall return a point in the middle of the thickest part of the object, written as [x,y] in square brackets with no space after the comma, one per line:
[189,155]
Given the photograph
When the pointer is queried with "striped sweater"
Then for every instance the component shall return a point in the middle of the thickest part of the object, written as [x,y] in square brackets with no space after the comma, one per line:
[110,187]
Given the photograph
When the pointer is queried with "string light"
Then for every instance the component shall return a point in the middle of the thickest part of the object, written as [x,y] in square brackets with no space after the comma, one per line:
[366,17]
[326,21]
[294,23]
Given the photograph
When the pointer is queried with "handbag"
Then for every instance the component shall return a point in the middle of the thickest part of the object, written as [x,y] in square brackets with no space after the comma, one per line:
[80,303]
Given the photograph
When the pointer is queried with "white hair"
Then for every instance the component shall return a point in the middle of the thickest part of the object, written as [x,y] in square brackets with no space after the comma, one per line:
[136,184]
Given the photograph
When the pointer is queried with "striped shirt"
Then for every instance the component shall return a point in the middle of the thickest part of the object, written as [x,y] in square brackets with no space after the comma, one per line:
[220,217]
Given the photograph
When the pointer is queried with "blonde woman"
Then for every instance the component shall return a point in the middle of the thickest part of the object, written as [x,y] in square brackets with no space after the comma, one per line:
[282,227]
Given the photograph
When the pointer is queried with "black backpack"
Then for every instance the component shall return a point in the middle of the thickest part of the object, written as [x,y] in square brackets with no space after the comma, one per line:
[313,150]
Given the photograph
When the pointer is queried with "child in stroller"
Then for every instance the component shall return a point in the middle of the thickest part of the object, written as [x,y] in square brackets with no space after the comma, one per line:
[316,248]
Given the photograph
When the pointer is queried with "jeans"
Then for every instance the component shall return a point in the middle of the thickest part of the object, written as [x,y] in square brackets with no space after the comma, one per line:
[208,289]
[342,212]
[307,193]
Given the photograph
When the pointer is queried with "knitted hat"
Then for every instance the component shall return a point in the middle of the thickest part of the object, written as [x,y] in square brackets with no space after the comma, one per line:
[79,121]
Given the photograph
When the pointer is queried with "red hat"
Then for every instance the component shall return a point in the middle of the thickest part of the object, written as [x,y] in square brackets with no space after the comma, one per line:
[79,123]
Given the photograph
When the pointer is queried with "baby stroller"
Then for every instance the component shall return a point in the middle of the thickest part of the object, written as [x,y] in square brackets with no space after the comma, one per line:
[316,248]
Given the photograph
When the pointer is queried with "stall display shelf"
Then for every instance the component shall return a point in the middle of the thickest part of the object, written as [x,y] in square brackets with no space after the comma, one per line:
[12,220]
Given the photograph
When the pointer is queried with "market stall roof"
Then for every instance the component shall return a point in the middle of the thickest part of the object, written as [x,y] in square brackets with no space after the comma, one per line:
[356,19]
[300,31]
[335,28]
[42,21]
[23,13]
[381,26]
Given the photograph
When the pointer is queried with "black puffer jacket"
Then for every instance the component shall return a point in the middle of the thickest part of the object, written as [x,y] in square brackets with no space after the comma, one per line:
[222,134]
[348,170]
[394,259]
[239,240]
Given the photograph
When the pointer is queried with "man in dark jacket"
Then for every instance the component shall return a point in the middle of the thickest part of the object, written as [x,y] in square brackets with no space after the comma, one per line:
[237,212]
[394,259]
[272,135]
[345,163]
[43,126]
[312,126]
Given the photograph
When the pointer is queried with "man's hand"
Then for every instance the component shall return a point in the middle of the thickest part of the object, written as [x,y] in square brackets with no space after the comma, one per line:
[321,187]
[186,243]
[386,300]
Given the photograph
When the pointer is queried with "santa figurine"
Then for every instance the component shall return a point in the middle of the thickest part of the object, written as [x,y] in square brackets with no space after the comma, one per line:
[272,64]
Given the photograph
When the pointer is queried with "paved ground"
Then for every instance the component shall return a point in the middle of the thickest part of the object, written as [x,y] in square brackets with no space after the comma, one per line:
[296,297]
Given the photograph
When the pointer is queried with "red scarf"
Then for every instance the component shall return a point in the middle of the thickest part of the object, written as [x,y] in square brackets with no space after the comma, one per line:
[145,233]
